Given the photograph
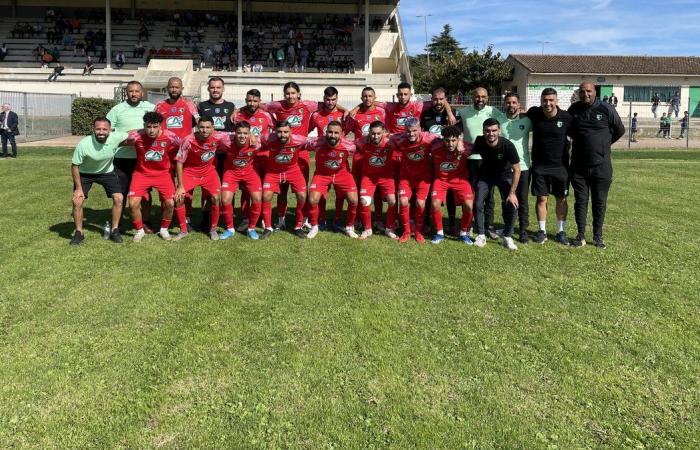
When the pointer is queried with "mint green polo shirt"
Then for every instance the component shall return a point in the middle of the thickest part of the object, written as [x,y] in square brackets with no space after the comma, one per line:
[95,158]
[473,122]
[125,118]
[517,131]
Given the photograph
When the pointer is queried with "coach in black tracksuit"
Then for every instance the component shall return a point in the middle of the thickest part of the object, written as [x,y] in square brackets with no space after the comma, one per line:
[594,128]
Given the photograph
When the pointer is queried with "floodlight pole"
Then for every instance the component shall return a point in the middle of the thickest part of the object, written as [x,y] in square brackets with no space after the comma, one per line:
[425,27]
[108,34]
[543,44]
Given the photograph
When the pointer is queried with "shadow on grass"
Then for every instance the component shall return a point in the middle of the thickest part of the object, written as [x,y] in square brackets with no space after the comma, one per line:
[93,220]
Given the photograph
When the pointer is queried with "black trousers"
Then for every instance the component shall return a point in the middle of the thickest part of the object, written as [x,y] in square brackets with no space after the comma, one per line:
[8,136]
[484,188]
[593,182]
[473,167]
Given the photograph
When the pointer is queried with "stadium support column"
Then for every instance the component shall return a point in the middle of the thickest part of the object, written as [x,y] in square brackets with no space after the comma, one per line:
[367,68]
[108,35]
[240,35]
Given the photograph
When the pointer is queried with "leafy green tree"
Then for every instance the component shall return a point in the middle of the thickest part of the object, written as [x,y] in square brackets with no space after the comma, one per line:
[444,45]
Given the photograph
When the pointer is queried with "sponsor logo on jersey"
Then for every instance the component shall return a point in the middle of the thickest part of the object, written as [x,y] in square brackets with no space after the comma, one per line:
[153,155]
[174,122]
[219,122]
[283,158]
[255,131]
[240,162]
[206,156]
[401,121]
[436,130]
[365,129]
[448,166]
[295,121]
[376,161]
[333,164]
[415,156]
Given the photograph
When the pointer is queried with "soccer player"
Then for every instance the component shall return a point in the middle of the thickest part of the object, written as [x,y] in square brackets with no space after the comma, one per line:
[332,152]
[179,113]
[93,163]
[500,167]
[239,170]
[550,162]
[450,166]
[195,167]
[516,129]
[376,173]
[283,168]
[216,107]
[155,150]
[594,128]
[125,117]
[415,175]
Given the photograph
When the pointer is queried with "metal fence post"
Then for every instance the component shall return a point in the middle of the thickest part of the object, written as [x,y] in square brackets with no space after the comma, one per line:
[26,115]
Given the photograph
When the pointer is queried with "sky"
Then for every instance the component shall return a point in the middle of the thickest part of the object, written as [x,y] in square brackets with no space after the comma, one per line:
[603,27]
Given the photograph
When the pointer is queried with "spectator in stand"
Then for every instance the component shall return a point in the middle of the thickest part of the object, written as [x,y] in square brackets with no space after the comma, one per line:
[3,52]
[684,125]
[613,100]
[120,59]
[257,67]
[152,52]
[633,128]
[103,55]
[57,72]
[75,25]
[68,43]
[655,100]
[280,58]
[79,48]
[675,104]
[55,54]
[139,50]
[88,67]
[143,32]
[50,15]
[178,52]
[662,125]
[187,38]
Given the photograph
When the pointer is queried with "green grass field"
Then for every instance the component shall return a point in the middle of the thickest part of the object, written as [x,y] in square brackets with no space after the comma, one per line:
[334,343]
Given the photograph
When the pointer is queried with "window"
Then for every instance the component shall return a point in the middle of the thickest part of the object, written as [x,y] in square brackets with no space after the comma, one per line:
[644,93]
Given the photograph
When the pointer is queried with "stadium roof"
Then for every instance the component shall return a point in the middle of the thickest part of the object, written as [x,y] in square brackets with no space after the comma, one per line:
[602,64]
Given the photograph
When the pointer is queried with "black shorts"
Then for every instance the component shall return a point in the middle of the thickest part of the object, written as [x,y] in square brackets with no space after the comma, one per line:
[550,182]
[109,181]
[124,168]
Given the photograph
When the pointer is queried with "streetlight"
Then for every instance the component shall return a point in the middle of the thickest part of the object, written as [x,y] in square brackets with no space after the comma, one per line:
[425,26]
[543,44]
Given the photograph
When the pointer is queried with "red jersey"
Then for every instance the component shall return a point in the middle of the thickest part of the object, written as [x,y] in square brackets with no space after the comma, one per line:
[178,117]
[321,118]
[376,159]
[298,116]
[359,125]
[396,114]
[331,160]
[154,156]
[260,121]
[197,157]
[448,166]
[283,157]
[240,159]
[415,156]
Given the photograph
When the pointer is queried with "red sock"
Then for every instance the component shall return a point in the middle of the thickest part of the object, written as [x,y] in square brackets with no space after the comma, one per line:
[300,215]
[165,223]
[253,214]
[313,214]
[437,218]
[267,213]
[181,218]
[321,209]
[138,224]
[366,215]
[214,216]
[405,214]
[419,218]
[245,203]
[228,216]
[391,217]
[466,219]
[352,214]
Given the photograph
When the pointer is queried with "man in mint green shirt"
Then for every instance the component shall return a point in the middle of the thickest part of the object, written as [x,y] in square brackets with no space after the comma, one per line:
[516,129]
[473,117]
[127,116]
[93,162]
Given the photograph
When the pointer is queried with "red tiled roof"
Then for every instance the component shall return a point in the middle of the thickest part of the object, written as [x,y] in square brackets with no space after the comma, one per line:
[599,64]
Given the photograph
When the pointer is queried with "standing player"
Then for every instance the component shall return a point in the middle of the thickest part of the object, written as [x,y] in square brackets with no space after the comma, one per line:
[415,175]
[376,173]
[216,107]
[594,128]
[195,167]
[93,163]
[550,162]
[500,167]
[239,170]
[516,129]
[283,168]
[450,166]
[332,152]
[155,150]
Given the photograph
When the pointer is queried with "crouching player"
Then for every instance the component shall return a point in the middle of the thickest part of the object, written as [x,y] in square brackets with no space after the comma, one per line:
[239,169]
[332,152]
[377,172]
[195,167]
[450,165]
[155,150]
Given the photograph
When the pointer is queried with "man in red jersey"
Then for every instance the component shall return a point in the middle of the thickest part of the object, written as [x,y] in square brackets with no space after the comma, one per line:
[261,124]
[283,168]
[376,173]
[179,114]
[195,167]
[332,152]
[450,165]
[155,150]
[239,170]
[415,175]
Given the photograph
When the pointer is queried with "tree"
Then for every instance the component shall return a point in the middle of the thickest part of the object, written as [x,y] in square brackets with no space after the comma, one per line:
[444,45]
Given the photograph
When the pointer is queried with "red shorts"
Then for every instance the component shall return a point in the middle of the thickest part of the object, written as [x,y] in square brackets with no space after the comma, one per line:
[141,184]
[209,183]
[260,164]
[304,162]
[387,186]
[409,186]
[249,179]
[293,177]
[461,189]
[341,181]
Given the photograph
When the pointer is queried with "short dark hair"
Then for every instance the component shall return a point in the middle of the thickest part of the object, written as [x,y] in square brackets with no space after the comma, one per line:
[403,85]
[368,88]
[152,117]
[491,122]
[291,84]
[242,124]
[281,124]
[334,123]
[215,79]
[205,118]
[439,90]
[549,91]
[134,82]
[101,119]
[377,124]
[412,122]
[511,94]
[451,131]
[254,93]
[330,91]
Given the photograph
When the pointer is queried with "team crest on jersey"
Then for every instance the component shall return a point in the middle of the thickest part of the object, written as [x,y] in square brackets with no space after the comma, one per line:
[174,122]
[250,153]
[448,166]
[163,144]
[332,164]
[206,156]
[153,155]
[332,154]
[522,127]
[415,156]
[283,159]
[217,110]
[294,121]
[560,124]
[173,109]
[599,116]
[376,161]
[301,111]
[438,119]
[182,110]
[225,110]
[240,162]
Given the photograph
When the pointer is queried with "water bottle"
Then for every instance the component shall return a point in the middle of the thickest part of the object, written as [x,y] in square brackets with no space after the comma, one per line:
[107,230]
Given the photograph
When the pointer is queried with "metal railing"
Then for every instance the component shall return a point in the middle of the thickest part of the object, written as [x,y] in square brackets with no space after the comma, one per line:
[41,116]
